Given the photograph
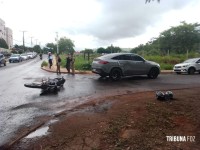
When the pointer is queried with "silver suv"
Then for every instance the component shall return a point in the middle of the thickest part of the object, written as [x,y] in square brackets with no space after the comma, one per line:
[2,60]
[117,65]
[189,66]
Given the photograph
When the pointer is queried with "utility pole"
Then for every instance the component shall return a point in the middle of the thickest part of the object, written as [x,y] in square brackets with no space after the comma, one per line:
[31,41]
[23,40]
[36,41]
[40,47]
[57,42]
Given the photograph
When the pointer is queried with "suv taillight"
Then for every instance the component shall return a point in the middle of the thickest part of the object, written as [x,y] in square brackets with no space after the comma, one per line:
[103,62]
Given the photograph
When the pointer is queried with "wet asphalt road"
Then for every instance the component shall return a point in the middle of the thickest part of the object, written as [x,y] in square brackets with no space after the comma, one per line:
[20,105]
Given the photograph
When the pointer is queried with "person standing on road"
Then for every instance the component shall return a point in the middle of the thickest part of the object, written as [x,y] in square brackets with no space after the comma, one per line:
[58,63]
[68,62]
[50,57]
[72,64]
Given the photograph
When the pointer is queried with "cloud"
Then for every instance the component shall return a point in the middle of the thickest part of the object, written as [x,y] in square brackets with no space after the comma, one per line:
[126,18]
[92,23]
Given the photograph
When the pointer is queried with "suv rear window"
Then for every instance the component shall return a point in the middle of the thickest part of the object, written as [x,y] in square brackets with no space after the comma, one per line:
[137,58]
[122,57]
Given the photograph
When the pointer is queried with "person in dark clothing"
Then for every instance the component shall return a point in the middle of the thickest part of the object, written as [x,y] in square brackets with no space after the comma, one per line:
[68,63]
[41,56]
[58,63]
[50,59]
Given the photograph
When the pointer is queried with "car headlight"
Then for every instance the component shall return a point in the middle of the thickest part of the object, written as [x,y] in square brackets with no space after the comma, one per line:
[185,65]
[158,65]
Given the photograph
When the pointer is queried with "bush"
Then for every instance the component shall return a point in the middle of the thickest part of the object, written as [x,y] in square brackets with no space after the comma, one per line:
[86,66]
[44,64]
[166,66]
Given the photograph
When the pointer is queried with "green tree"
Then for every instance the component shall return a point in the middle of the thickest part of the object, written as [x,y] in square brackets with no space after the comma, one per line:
[18,49]
[66,45]
[180,39]
[50,47]
[101,50]
[88,52]
[112,49]
[3,43]
[177,40]
[37,49]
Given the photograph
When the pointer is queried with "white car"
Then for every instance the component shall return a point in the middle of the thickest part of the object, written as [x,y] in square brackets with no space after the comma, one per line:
[189,66]
[30,55]
[15,58]
[24,56]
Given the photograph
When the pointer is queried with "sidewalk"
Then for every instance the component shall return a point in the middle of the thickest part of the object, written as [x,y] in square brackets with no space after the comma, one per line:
[64,70]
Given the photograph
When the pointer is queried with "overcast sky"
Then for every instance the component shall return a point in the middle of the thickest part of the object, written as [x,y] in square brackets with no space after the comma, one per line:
[95,23]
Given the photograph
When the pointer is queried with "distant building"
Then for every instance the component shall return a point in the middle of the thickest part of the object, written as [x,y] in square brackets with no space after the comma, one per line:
[9,37]
[6,34]
[2,29]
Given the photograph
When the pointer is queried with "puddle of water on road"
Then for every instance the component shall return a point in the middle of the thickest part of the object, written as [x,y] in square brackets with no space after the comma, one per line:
[40,132]
[52,121]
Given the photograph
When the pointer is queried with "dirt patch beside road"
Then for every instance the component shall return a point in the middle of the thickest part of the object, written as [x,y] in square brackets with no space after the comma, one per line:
[131,121]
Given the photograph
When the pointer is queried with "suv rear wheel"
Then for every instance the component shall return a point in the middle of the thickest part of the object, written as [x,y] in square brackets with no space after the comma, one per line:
[153,73]
[115,74]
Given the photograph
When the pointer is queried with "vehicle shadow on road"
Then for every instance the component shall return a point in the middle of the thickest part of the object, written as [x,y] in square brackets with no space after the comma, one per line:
[126,79]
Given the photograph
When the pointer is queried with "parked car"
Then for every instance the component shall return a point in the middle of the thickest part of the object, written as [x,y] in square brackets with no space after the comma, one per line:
[189,66]
[31,55]
[15,58]
[2,60]
[119,65]
[34,54]
[6,54]
[24,56]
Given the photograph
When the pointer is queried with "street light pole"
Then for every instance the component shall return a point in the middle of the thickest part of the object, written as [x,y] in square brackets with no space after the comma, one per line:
[40,47]
[31,41]
[36,41]
[23,40]
[57,42]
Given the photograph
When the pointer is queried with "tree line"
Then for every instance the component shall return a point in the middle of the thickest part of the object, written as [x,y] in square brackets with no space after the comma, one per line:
[3,43]
[176,40]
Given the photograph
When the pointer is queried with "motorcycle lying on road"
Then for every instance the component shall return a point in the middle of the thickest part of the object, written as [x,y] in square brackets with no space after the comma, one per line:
[48,86]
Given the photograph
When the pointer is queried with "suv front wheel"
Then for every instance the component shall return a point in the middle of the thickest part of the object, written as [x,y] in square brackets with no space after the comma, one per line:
[191,71]
[115,74]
